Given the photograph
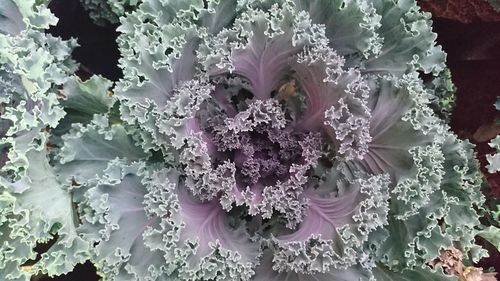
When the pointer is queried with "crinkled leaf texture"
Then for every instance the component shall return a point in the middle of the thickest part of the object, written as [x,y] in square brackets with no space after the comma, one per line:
[494,160]
[36,208]
[108,11]
[247,140]
[178,238]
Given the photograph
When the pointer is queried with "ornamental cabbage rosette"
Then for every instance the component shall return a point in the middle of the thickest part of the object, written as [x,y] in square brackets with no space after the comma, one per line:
[255,140]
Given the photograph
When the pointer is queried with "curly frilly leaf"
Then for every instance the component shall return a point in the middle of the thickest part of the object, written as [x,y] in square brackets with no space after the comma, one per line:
[36,215]
[51,212]
[87,150]
[38,208]
[266,273]
[443,98]
[494,160]
[443,214]
[355,273]
[108,11]
[332,234]
[83,99]
[262,47]
[382,273]
[353,24]
[154,71]
[15,248]
[408,40]
[400,121]
[117,208]
[173,242]
[35,64]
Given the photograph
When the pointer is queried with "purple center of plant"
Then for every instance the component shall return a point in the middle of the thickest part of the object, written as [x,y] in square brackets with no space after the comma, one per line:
[263,155]
[260,157]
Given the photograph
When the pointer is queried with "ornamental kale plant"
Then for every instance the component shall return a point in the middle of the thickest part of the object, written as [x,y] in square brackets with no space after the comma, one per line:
[248,140]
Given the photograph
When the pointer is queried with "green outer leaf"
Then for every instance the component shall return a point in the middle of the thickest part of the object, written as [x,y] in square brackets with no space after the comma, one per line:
[82,100]
[349,24]
[118,221]
[89,97]
[16,243]
[382,273]
[37,63]
[408,40]
[42,197]
[494,159]
[355,273]
[492,234]
[87,150]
